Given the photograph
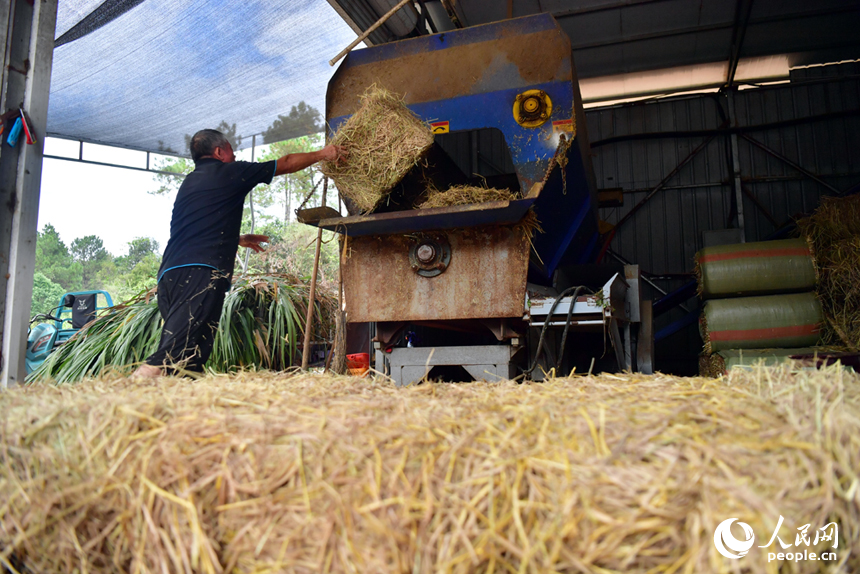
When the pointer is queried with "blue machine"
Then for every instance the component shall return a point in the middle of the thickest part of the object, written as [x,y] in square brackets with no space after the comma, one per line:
[516,77]
[77,309]
[455,287]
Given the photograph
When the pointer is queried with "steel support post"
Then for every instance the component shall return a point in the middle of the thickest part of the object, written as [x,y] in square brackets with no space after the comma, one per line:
[28,57]
[736,163]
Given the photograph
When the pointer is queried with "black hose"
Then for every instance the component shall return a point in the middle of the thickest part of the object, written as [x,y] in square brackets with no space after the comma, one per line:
[566,329]
[547,321]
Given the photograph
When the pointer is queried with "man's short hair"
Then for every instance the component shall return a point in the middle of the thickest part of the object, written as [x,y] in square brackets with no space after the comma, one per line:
[205,142]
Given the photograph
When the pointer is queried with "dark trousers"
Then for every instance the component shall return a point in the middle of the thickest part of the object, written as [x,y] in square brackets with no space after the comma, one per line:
[190,301]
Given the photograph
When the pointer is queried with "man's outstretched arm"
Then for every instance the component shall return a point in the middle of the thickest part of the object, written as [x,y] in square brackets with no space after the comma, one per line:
[294,162]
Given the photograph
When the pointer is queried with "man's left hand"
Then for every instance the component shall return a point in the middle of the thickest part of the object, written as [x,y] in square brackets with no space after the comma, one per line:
[253,241]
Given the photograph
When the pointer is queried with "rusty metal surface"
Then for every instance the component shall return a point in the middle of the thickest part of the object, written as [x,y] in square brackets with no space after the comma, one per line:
[486,278]
[314,215]
[424,74]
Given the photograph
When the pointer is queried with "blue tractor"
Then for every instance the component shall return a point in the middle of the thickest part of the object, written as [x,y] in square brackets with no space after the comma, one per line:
[75,310]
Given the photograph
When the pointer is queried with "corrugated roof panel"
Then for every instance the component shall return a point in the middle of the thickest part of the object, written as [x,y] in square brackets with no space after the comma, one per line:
[665,234]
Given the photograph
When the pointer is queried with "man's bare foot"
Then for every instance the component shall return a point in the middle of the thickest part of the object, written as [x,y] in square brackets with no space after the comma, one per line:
[146,372]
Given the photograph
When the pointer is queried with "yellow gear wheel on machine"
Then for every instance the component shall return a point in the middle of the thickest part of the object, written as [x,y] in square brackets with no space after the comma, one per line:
[532,108]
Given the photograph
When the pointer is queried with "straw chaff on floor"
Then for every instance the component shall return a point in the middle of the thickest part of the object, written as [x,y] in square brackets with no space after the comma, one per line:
[383,141]
[273,473]
[833,232]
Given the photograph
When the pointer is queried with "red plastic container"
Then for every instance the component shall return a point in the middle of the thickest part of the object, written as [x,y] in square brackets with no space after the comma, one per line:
[358,363]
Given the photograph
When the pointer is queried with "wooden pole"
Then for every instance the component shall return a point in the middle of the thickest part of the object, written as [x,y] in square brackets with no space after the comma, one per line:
[338,363]
[306,348]
[368,32]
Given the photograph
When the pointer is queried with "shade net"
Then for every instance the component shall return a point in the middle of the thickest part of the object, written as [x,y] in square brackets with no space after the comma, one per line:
[145,74]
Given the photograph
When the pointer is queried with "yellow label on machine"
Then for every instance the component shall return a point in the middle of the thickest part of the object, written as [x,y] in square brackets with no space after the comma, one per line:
[440,127]
[562,126]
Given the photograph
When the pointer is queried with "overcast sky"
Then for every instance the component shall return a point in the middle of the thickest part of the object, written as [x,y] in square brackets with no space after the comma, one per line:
[113,203]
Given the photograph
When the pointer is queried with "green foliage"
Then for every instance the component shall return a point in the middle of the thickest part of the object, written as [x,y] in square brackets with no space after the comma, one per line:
[89,266]
[46,294]
[292,251]
[176,169]
[88,248]
[139,249]
[261,326]
[55,262]
[261,323]
[302,120]
[141,277]
[120,338]
[89,251]
[292,189]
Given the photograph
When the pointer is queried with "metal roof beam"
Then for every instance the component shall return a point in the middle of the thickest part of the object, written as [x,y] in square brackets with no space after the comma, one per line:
[742,18]
[606,8]
[119,165]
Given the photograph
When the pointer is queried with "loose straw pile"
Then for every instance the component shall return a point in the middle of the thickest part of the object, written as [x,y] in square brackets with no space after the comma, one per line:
[833,232]
[383,140]
[470,194]
[269,473]
[465,195]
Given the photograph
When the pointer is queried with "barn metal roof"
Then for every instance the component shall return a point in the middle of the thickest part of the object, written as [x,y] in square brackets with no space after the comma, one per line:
[614,38]
[143,74]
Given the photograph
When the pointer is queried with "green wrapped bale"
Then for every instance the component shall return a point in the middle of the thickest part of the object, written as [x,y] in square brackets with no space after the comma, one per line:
[760,268]
[792,320]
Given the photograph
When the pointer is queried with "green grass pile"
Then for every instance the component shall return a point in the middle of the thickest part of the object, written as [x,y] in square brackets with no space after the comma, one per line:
[261,323]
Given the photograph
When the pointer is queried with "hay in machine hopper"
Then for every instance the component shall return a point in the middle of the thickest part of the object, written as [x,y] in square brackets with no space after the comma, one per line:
[257,472]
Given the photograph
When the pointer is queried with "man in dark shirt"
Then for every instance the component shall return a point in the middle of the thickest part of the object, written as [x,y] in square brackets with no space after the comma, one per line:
[197,265]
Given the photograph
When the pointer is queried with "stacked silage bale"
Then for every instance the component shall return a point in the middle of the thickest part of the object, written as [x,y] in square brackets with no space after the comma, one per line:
[757,296]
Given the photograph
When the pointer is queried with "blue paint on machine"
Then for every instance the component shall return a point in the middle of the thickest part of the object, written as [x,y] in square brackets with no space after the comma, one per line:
[471,78]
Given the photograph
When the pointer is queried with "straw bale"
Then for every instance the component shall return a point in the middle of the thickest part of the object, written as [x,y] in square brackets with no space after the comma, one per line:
[383,140]
[833,232]
[258,472]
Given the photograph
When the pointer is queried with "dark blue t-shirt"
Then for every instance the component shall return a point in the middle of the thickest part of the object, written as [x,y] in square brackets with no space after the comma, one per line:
[207,214]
